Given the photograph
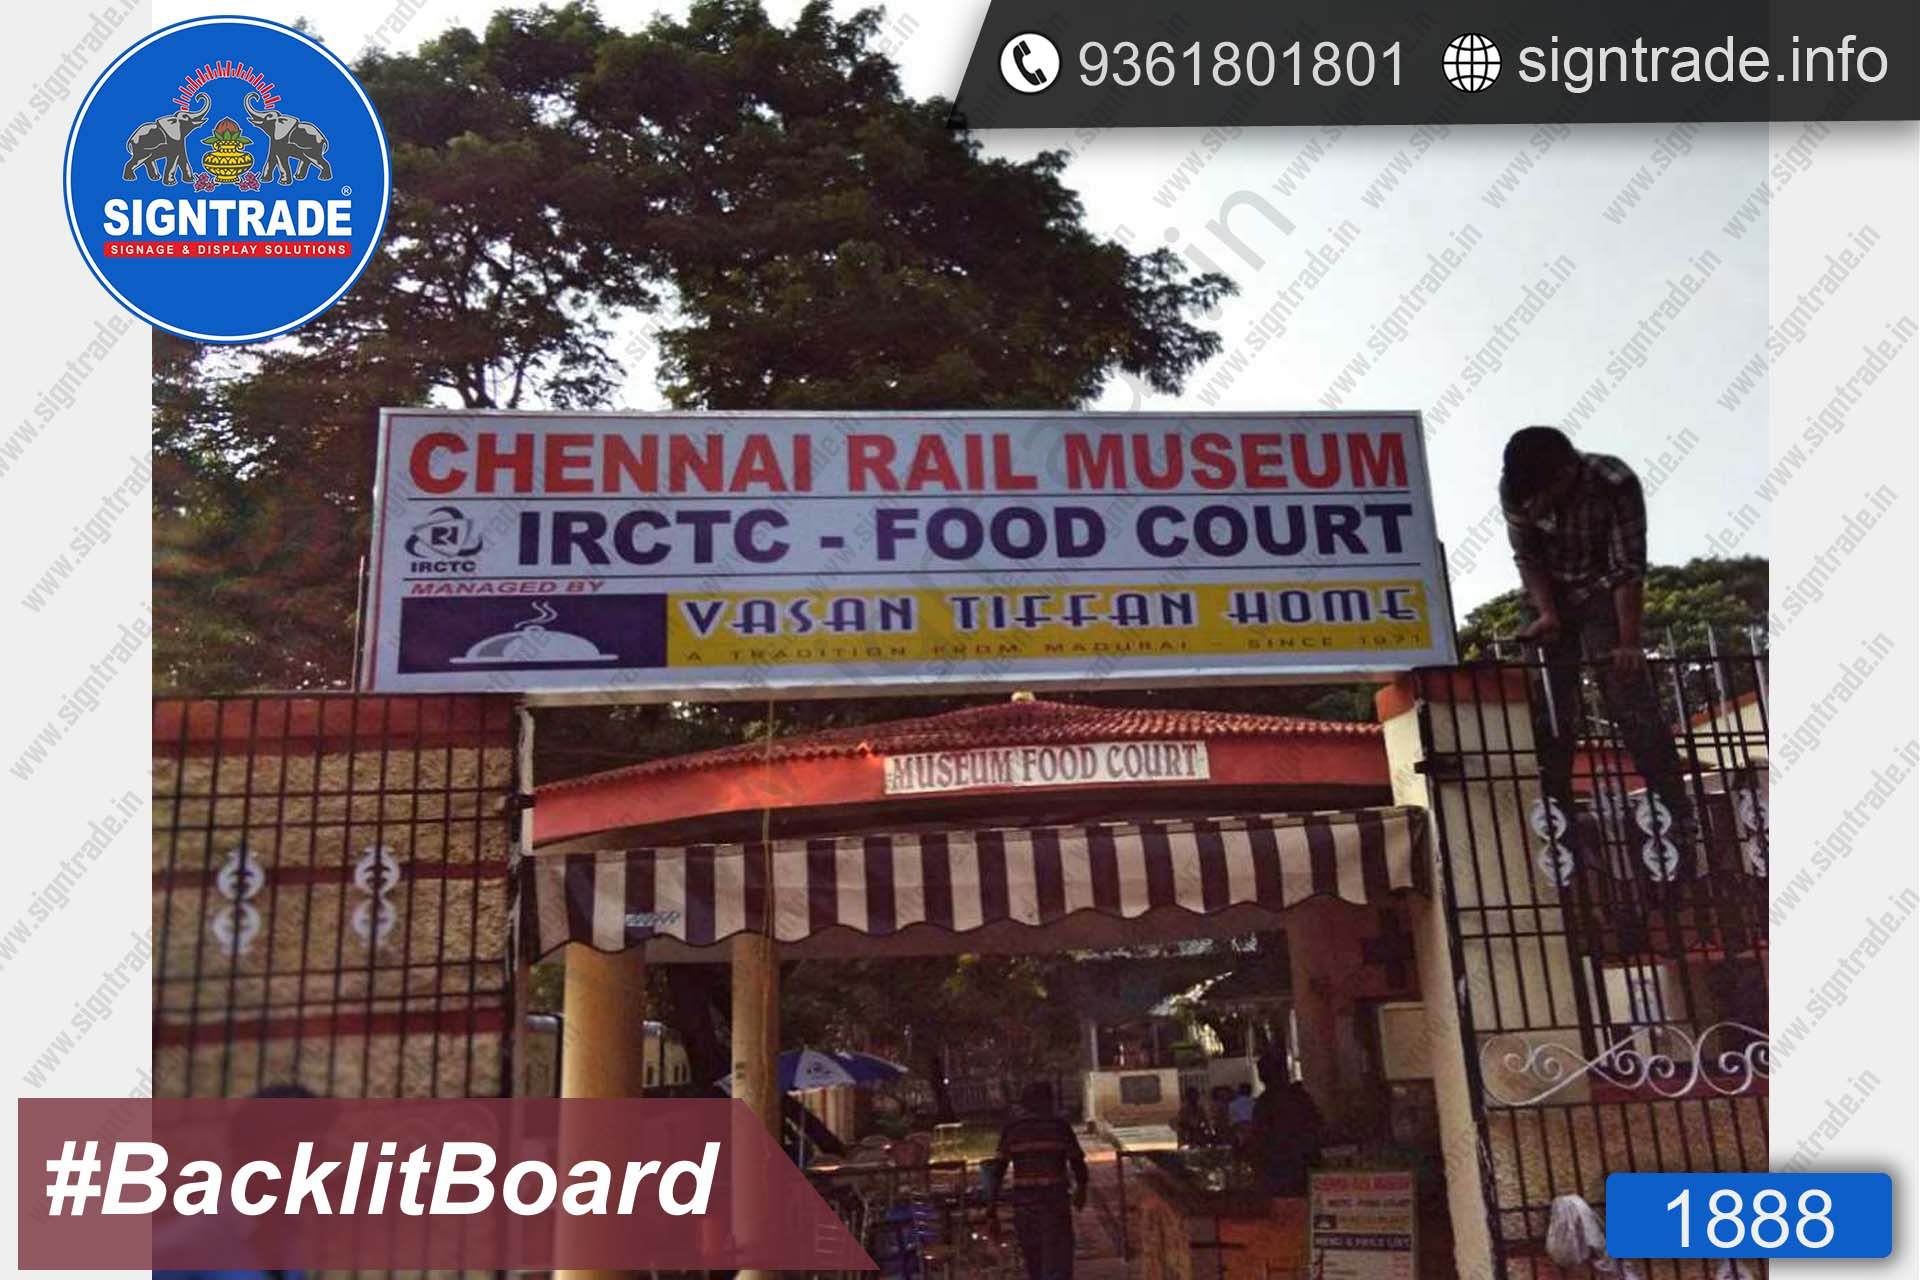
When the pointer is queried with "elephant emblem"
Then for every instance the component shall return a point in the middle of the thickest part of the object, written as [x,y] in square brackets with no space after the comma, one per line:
[291,142]
[160,146]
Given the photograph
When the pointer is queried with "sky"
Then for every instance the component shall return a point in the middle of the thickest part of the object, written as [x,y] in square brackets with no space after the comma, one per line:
[1611,280]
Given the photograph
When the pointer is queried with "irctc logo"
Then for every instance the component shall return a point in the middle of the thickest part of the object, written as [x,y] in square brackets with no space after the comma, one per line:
[444,542]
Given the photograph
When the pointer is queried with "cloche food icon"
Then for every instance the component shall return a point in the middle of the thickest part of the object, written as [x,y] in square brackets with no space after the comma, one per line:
[531,642]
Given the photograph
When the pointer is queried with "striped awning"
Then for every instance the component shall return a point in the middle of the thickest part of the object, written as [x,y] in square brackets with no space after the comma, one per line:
[1014,889]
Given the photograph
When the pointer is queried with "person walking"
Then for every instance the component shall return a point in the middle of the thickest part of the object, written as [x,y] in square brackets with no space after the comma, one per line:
[1283,1141]
[1577,523]
[1037,1158]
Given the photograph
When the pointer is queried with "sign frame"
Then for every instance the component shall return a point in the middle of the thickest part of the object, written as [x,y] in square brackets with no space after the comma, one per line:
[1035,765]
[910,678]
[1412,1255]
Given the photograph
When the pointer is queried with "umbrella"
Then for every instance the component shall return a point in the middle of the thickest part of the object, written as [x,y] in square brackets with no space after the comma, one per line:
[823,1068]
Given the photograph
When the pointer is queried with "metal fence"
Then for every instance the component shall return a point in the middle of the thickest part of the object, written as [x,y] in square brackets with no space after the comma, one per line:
[1603,841]
[331,895]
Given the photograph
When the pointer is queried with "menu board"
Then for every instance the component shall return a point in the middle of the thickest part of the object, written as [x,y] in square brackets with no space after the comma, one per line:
[1364,1224]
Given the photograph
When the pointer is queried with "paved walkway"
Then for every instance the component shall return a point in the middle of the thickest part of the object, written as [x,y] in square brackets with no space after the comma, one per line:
[1096,1229]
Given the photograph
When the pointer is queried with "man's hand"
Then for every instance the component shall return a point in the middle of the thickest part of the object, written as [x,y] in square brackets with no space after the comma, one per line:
[1629,662]
[1544,629]
[1080,1196]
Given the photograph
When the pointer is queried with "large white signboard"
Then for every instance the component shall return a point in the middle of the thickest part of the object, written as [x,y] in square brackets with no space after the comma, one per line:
[733,555]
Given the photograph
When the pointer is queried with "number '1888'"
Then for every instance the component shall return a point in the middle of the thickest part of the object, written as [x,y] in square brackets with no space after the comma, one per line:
[1728,1224]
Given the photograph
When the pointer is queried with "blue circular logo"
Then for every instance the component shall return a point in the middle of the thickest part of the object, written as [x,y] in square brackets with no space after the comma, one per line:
[227,179]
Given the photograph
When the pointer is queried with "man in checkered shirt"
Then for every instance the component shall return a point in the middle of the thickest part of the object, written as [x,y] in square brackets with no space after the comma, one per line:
[1578,525]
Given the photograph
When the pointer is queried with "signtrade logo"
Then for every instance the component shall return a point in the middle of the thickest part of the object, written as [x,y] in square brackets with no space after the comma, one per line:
[227,179]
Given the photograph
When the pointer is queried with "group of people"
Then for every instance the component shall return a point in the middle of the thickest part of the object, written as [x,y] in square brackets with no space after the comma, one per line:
[1277,1132]
[1216,1119]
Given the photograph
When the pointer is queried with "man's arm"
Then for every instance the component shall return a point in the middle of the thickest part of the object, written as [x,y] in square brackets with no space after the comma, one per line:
[1627,574]
[1545,627]
[1529,559]
[997,1169]
[1077,1162]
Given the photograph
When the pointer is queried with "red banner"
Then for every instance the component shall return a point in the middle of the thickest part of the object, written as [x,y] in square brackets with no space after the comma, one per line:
[227,248]
[415,1183]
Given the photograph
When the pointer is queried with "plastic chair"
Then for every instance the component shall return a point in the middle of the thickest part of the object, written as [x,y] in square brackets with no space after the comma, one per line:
[912,1241]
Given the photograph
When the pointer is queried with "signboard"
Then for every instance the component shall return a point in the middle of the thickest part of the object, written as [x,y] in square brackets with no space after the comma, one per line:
[1364,1225]
[1046,765]
[735,555]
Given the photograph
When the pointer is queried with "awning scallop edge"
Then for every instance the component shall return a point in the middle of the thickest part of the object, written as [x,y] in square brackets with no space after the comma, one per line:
[856,895]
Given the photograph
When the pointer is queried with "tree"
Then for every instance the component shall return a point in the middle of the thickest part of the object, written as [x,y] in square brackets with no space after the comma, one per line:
[988,1016]
[806,236]
[833,244]
[1682,601]
[809,236]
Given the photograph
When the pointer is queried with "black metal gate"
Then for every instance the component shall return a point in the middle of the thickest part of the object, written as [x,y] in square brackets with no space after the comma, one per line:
[1610,940]
[331,895]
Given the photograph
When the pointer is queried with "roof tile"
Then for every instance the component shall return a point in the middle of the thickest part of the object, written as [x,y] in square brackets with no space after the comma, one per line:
[996,725]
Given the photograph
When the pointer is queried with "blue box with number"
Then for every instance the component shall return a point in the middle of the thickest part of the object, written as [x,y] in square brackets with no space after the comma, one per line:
[1749,1215]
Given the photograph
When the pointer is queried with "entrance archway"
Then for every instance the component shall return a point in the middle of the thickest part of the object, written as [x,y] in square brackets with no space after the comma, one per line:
[1021,827]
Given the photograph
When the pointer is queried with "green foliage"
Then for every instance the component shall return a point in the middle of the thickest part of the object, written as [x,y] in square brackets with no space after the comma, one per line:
[808,236]
[1728,595]
[995,1016]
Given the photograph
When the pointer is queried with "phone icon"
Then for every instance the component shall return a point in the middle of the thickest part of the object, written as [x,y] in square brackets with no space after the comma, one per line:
[1021,53]
[1029,62]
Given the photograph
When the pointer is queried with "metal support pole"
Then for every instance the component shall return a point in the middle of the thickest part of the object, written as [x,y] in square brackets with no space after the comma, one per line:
[605,1008]
[756,1043]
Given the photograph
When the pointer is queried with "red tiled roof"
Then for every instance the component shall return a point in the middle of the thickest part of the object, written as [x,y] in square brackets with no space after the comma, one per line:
[997,725]
[1732,706]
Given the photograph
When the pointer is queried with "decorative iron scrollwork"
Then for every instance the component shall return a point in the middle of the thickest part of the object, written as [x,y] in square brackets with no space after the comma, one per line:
[239,879]
[1655,820]
[1550,823]
[1632,1062]
[377,874]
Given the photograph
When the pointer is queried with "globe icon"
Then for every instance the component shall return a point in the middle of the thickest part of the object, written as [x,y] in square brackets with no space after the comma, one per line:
[1472,62]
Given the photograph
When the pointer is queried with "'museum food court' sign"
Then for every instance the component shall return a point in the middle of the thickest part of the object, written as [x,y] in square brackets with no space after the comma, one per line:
[1046,765]
[665,555]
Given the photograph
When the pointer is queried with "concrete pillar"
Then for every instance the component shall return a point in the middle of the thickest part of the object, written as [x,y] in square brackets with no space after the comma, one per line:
[756,1028]
[1483,748]
[1323,951]
[604,1007]
[756,1044]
